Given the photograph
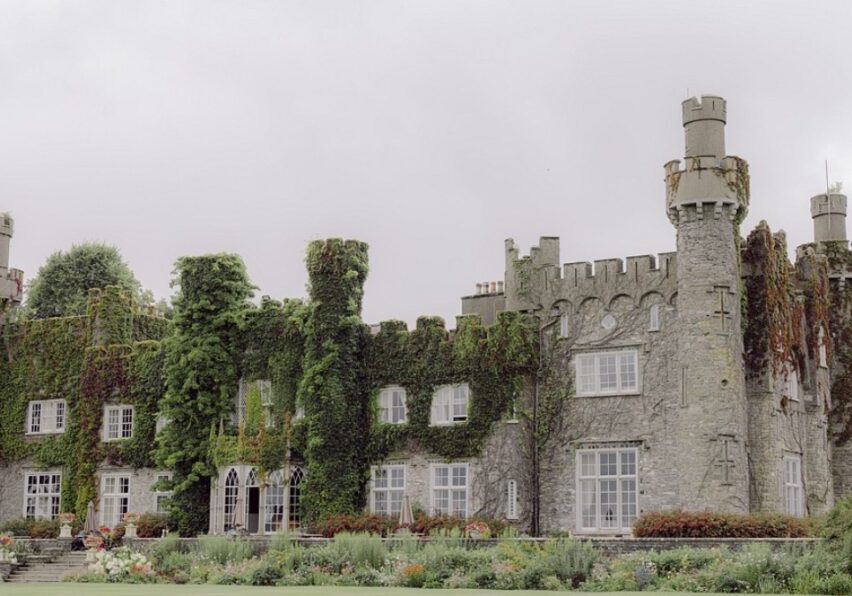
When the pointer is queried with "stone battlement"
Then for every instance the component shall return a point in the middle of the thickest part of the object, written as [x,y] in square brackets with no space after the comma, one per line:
[538,280]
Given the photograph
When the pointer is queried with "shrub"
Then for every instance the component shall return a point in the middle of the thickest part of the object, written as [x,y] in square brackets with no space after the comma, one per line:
[222,550]
[569,560]
[45,528]
[17,527]
[683,524]
[151,525]
[374,524]
[362,549]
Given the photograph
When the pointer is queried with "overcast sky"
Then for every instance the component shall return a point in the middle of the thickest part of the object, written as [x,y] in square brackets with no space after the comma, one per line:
[433,130]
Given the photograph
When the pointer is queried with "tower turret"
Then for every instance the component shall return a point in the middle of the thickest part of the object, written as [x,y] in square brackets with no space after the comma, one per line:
[829,214]
[705,201]
[11,280]
[704,125]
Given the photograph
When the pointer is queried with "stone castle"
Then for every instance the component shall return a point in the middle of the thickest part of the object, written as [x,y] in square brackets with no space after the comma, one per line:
[714,378]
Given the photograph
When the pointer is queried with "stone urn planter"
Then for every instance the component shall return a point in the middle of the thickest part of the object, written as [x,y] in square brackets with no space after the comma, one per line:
[130,530]
[91,555]
[65,531]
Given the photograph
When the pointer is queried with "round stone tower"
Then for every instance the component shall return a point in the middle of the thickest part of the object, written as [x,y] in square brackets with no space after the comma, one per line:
[829,214]
[706,200]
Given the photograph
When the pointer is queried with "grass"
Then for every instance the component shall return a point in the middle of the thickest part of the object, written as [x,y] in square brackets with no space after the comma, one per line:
[64,589]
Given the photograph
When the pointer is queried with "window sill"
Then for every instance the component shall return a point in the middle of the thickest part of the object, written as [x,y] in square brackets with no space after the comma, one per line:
[452,423]
[45,433]
[512,421]
[105,440]
[625,394]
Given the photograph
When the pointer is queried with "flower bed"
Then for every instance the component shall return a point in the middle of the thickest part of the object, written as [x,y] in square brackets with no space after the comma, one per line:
[684,524]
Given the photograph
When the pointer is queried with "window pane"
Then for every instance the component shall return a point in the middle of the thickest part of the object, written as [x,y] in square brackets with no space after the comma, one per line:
[589,509]
[608,463]
[587,374]
[628,463]
[442,476]
[628,370]
[608,375]
[459,476]
[609,503]
[587,464]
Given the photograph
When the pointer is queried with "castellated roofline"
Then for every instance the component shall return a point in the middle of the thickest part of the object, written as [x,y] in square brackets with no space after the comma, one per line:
[706,107]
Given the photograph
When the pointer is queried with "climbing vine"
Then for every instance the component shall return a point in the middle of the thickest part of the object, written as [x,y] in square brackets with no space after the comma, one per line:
[57,358]
[201,372]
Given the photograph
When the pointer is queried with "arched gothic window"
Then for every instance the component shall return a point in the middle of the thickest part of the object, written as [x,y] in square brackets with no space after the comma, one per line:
[274,516]
[295,500]
[232,490]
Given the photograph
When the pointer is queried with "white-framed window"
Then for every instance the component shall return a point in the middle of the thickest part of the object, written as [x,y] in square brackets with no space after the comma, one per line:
[232,491]
[46,416]
[450,489]
[791,384]
[607,373]
[449,404]
[655,317]
[115,498]
[794,502]
[160,495]
[273,520]
[563,325]
[392,405]
[118,422]
[388,489]
[512,499]
[607,488]
[294,499]
[41,495]
[823,350]
[265,388]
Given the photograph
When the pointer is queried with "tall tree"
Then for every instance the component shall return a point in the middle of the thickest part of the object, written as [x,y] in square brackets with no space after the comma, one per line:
[202,375]
[62,284]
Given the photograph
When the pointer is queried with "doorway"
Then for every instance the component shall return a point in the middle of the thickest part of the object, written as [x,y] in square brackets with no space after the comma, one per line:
[253,509]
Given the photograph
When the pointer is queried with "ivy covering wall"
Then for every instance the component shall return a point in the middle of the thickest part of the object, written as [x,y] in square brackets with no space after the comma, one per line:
[201,372]
[111,355]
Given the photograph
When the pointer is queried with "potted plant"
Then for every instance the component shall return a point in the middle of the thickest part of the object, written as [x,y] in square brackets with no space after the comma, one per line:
[7,553]
[93,543]
[65,520]
[477,530]
[130,519]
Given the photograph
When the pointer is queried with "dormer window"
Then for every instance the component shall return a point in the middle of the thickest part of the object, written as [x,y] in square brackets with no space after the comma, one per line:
[392,405]
[449,404]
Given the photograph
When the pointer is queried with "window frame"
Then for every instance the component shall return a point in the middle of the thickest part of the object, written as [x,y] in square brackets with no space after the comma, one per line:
[387,409]
[581,357]
[655,317]
[791,384]
[121,409]
[444,401]
[433,488]
[794,494]
[116,497]
[161,494]
[54,497]
[388,490]
[620,477]
[47,416]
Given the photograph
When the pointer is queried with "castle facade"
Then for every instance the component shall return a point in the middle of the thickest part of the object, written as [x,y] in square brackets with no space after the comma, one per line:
[714,378]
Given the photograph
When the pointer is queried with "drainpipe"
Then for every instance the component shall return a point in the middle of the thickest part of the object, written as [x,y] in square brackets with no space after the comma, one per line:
[535,523]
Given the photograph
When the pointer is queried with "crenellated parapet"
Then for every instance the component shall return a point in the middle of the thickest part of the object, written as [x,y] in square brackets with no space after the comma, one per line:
[709,184]
[538,281]
[707,187]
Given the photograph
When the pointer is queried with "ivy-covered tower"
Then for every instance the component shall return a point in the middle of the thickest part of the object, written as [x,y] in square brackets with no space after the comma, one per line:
[706,199]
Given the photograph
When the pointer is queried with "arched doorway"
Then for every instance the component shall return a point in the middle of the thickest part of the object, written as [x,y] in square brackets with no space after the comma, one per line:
[252,502]
[274,511]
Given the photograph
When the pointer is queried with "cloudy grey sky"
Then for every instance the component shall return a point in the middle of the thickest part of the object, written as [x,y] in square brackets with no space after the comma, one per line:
[432,130]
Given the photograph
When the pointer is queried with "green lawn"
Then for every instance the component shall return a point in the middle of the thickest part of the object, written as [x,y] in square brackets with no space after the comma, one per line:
[64,589]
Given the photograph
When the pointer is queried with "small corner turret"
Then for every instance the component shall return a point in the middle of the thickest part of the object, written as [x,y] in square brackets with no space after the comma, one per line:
[828,211]
[11,280]
[709,180]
